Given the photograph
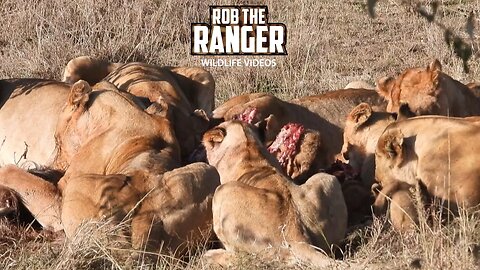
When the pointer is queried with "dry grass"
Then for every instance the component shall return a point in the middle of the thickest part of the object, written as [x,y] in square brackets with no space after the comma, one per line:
[330,43]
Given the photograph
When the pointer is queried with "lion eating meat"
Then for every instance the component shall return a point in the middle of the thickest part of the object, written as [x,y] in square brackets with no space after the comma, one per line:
[258,209]
[322,117]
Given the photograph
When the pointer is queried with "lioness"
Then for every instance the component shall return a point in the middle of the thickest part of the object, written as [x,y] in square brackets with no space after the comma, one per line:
[362,130]
[28,119]
[258,209]
[89,69]
[159,85]
[363,127]
[195,83]
[121,161]
[433,152]
[428,91]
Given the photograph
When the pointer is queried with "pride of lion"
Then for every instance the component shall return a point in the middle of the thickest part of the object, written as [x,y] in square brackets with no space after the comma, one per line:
[144,145]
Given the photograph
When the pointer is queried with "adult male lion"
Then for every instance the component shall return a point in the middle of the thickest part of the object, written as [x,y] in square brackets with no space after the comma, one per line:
[258,209]
[121,161]
[429,91]
[434,152]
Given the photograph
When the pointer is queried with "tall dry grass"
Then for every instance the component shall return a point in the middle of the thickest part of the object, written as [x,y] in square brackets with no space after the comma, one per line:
[330,43]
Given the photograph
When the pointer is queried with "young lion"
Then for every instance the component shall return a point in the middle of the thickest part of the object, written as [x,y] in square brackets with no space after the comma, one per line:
[362,130]
[258,209]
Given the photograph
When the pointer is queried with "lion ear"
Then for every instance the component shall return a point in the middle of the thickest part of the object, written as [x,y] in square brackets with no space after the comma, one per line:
[79,94]
[159,108]
[435,66]
[384,87]
[201,114]
[360,114]
[215,135]
[269,128]
[391,145]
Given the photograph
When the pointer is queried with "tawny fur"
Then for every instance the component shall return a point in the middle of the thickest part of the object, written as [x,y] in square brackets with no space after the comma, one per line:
[362,130]
[429,91]
[324,113]
[160,84]
[28,119]
[258,209]
[436,152]
[120,160]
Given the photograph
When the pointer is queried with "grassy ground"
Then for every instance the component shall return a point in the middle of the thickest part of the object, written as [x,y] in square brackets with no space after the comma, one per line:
[330,43]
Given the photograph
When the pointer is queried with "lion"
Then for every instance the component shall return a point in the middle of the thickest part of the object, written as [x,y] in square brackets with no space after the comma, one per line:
[198,85]
[89,69]
[398,200]
[363,127]
[257,209]
[121,162]
[159,85]
[428,91]
[323,113]
[271,115]
[433,152]
[195,84]
[28,119]
[190,91]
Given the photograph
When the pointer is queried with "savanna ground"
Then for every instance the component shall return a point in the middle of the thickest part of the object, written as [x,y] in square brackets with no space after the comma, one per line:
[330,43]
